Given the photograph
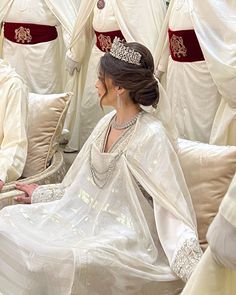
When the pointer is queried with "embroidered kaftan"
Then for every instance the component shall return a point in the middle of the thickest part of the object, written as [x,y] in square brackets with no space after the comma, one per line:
[110,240]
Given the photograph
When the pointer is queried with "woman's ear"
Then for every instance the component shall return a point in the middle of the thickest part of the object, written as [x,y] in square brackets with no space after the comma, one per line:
[120,90]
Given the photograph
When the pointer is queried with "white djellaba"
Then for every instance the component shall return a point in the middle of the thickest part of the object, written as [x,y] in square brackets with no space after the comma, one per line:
[207,111]
[41,65]
[13,123]
[132,231]
[84,111]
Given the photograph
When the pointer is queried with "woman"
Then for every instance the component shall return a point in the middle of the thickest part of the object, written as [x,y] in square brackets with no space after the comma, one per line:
[125,223]
[98,23]
[200,59]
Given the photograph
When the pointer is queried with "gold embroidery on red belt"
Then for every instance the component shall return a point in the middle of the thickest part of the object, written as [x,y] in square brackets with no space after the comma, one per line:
[105,42]
[22,35]
[177,46]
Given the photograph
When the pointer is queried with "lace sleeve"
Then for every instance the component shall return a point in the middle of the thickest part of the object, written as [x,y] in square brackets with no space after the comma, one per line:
[186,258]
[48,193]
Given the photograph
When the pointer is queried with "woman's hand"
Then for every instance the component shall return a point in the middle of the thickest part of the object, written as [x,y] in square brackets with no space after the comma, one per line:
[1,184]
[28,191]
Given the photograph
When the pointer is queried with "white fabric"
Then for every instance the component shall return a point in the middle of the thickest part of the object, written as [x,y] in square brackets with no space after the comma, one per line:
[13,120]
[221,237]
[50,76]
[217,36]
[216,272]
[103,241]
[115,15]
[193,92]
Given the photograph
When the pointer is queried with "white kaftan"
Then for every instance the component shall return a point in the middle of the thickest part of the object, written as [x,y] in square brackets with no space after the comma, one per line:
[42,64]
[110,240]
[203,93]
[116,15]
[13,123]
[193,93]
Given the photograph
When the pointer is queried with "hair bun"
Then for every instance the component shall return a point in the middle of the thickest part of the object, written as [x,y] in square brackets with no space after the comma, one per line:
[148,95]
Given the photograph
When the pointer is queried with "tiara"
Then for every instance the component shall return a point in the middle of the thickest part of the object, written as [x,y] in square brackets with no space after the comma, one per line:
[122,52]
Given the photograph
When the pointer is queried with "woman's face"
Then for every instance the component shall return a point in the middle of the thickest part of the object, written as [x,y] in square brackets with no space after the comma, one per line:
[107,91]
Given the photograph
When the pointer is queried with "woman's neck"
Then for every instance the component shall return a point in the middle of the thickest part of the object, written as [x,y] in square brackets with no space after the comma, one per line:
[126,113]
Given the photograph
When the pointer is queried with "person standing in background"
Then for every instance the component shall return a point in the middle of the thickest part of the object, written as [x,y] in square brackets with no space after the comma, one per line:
[198,55]
[36,34]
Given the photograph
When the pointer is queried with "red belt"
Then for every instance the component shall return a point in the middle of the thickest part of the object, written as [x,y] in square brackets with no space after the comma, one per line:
[184,46]
[23,33]
[105,39]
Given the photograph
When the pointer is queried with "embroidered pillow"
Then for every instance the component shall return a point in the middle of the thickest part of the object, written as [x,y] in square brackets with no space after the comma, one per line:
[45,122]
[208,171]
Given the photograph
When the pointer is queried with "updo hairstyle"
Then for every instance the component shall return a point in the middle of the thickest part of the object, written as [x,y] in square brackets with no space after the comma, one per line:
[137,79]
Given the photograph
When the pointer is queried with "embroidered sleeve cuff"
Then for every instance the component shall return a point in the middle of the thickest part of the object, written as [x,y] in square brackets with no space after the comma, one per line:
[186,259]
[47,193]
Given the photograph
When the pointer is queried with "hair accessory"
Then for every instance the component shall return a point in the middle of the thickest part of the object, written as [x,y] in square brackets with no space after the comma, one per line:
[124,53]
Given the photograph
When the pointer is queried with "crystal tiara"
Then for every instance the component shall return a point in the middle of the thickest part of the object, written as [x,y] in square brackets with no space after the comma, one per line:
[124,53]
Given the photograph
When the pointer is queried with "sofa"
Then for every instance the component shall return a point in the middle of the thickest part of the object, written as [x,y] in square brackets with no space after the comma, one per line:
[45,162]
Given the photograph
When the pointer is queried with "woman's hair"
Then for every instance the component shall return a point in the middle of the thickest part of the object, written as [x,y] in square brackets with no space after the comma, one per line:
[139,80]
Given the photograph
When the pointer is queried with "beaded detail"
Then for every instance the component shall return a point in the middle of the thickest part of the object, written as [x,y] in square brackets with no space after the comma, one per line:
[124,125]
[47,193]
[186,259]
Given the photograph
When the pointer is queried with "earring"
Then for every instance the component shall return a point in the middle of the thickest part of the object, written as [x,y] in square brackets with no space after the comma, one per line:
[118,101]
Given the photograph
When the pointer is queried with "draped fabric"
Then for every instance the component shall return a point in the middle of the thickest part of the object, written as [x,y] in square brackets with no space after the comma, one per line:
[52,76]
[125,15]
[211,278]
[109,240]
[13,121]
[215,120]
[217,36]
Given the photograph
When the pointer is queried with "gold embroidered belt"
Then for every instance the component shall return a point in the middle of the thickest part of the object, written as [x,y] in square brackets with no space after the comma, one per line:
[184,46]
[27,34]
[104,39]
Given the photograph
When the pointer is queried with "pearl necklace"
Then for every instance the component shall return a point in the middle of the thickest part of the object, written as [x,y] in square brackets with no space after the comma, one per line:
[124,125]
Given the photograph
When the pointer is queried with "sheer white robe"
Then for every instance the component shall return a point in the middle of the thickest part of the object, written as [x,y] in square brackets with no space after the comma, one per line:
[13,121]
[110,240]
[116,14]
[41,65]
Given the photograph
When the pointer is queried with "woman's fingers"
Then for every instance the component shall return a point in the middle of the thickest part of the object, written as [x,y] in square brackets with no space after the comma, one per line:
[24,199]
[27,188]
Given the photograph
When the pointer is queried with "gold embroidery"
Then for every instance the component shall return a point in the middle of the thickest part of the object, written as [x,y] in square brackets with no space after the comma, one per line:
[177,46]
[22,35]
[105,42]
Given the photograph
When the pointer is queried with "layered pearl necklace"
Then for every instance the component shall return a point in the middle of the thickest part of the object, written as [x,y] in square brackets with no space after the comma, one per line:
[124,125]
[101,178]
